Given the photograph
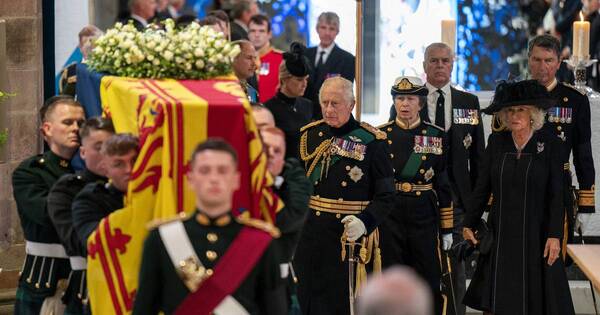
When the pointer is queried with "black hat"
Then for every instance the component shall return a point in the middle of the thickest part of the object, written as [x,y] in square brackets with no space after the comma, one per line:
[296,62]
[527,92]
[409,86]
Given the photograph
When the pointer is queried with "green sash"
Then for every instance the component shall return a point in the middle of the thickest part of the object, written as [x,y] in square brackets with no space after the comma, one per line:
[414,161]
[365,137]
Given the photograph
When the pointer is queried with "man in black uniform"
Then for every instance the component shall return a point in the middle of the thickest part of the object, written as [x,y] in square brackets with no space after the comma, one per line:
[348,164]
[98,200]
[46,261]
[569,121]
[68,79]
[211,262]
[290,109]
[93,133]
[423,207]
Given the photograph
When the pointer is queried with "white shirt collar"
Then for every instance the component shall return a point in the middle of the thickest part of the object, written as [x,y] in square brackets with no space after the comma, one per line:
[552,85]
[327,51]
[139,19]
[432,89]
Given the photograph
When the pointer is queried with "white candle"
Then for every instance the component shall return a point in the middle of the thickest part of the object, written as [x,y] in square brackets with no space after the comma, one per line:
[449,33]
[581,39]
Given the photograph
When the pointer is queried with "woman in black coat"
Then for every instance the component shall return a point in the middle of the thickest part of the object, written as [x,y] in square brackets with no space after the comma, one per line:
[519,270]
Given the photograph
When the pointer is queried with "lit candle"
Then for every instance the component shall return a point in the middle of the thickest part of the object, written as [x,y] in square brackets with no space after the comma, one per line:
[581,38]
[449,33]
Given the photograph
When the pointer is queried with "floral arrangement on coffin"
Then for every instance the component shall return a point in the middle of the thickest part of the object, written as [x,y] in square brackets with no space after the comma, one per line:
[194,52]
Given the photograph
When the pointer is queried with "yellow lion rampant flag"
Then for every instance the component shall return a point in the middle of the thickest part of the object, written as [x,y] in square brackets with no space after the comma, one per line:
[170,117]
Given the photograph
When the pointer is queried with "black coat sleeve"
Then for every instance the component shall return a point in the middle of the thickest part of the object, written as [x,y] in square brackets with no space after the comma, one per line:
[30,191]
[382,179]
[86,214]
[59,203]
[477,147]
[476,203]
[582,152]
[441,185]
[270,289]
[147,299]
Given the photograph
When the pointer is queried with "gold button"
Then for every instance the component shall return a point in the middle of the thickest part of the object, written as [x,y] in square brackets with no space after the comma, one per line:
[340,199]
[419,182]
[344,184]
[424,131]
[348,167]
[212,237]
[211,255]
[418,193]
[320,133]
[37,285]
[316,182]
[48,285]
[41,160]
[389,141]
[392,155]
[337,215]
[422,171]
[389,129]
[209,272]
[318,213]
[559,128]
[565,99]
[424,157]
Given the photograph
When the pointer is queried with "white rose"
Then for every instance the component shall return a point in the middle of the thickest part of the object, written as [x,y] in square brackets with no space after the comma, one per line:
[199,64]
[111,41]
[179,60]
[151,44]
[198,52]
[213,59]
[117,63]
[219,43]
[188,66]
[159,48]
[156,62]
[168,55]
[150,57]
[98,50]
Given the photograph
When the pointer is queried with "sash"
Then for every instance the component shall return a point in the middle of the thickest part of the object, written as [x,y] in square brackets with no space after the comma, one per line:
[414,161]
[358,133]
[214,294]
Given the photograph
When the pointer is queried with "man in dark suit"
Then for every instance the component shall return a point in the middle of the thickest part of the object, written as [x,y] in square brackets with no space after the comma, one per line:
[329,59]
[142,12]
[457,112]
[241,13]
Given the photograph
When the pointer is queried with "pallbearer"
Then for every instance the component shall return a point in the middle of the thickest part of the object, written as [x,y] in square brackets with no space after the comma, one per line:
[423,204]
[348,164]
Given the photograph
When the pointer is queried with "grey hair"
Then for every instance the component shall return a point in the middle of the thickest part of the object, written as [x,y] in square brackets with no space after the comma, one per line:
[329,18]
[536,115]
[433,46]
[240,7]
[343,83]
[397,291]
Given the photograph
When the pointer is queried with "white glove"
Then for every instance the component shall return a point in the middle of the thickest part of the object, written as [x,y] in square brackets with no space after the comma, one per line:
[582,222]
[353,227]
[447,241]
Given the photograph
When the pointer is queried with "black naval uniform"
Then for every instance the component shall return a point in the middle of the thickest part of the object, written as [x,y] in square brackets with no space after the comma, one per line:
[570,122]
[68,80]
[356,179]
[161,288]
[59,203]
[95,202]
[291,114]
[46,261]
[423,205]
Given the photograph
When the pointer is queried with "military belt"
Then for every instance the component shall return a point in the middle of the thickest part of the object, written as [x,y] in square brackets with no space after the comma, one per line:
[78,262]
[567,166]
[45,249]
[409,187]
[336,206]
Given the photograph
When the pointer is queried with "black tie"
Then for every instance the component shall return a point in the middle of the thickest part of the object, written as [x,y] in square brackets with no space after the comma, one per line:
[440,119]
[320,60]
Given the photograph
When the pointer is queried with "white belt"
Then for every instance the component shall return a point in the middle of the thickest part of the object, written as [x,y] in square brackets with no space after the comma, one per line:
[230,306]
[45,250]
[78,263]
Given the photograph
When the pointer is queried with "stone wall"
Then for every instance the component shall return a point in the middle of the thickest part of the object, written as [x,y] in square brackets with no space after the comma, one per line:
[23,76]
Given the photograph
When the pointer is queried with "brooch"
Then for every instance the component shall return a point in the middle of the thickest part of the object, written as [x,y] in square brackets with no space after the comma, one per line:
[355,174]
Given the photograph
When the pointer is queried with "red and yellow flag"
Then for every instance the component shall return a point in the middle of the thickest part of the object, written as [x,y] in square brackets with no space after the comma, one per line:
[170,117]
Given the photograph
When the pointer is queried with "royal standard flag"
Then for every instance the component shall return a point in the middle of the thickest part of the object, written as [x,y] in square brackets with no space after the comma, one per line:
[170,117]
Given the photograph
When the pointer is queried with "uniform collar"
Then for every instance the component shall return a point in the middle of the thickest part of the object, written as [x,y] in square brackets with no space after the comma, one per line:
[346,128]
[52,158]
[265,50]
[91,176]
[552,85]
[205,220]
[402,125]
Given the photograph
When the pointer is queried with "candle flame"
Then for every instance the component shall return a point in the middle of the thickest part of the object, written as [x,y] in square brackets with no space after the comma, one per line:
[581,16]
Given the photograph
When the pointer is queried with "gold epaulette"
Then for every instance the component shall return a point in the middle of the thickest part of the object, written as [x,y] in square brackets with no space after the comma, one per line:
[573,88]
[385,124]
[312,124]
[434,126]
[379,135]
[260,225]
[158,222]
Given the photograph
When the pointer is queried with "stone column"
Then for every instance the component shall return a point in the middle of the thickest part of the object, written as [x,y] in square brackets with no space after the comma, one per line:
[24,77]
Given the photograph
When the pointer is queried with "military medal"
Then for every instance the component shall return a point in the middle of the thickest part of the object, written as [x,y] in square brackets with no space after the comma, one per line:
[349,149]
[540,147]
[264,68]
[355,173]
[467,141]
[429,174]
[562,136]
[425,144]
[465,116]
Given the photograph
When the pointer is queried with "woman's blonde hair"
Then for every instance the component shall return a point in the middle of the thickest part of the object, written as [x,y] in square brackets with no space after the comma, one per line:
[536,115]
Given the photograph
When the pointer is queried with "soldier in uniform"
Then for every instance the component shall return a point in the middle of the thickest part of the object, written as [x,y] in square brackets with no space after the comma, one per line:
[211,262]
[259,33]
[244,67]
[423,206]
[348,164]
[97,200]
[46,261]
[290,109]
[68,78]
[93,133]
[569,120]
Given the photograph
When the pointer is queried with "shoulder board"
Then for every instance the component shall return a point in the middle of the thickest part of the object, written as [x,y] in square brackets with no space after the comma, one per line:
[434,126]
[312,124]
[260,225]
[182,216]
[385,125]
[379,135]
[572,87]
